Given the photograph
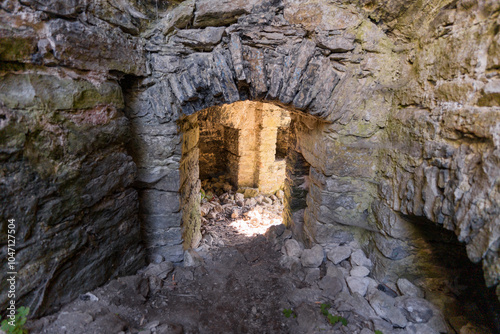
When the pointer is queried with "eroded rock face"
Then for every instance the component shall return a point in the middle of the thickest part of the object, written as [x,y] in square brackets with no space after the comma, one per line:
[407,121]
[66,175]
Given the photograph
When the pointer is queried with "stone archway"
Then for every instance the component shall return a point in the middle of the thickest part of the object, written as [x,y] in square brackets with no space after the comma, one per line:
[298,76]
[369,168]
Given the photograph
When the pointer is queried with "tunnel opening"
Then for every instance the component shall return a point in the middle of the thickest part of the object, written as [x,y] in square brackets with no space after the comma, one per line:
[235,165]
[451,280]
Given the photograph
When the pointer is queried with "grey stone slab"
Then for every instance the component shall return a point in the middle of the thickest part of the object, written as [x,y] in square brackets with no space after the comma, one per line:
[304,55]
[158,202]
[237,57]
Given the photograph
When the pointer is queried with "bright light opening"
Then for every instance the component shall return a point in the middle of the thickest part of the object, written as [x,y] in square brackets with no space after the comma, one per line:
[254,222]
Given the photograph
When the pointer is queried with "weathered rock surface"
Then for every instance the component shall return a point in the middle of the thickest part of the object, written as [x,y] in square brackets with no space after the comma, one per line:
[406,125]
[256,273]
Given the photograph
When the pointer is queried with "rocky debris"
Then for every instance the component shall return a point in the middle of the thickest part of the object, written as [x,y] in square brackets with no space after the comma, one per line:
[293,52]
[253,278]
[352,290]
[417,310]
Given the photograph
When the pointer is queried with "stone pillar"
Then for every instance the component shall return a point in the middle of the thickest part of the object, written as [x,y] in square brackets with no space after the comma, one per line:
[270,172]
[247,157]
[157,153]
[190,184]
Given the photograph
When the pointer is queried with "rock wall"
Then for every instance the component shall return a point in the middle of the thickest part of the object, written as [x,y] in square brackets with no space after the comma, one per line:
[66,176]
[213,141]
[400,106]
[380,85]
[447,106]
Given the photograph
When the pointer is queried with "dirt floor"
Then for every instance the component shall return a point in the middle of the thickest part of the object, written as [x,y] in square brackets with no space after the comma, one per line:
[241,281]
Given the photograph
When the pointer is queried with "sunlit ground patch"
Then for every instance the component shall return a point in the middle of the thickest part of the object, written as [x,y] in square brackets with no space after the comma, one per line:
[255,223]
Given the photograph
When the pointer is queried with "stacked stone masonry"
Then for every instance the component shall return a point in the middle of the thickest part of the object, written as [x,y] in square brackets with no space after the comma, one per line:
[400,106]
[241,140]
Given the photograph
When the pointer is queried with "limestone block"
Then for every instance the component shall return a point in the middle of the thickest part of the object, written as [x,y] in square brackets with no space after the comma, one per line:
[209,13]
[18,42]
[391,223]
[355,303]
[154,104]
[336,43]
[385,307]
[92,48]
[393,249]
[199,39]
[256,71]
[417,310]
[152,150]
[237,57]
[357,284]
[170,253]
[331,286]
[119,13]
[161,178]
[338,254]
[319,15]
[43,91]
[68,8]
[359,271]
[293,248]
[326,233]
[179,17]
[347,209]
[161,221]
[291,86]
[407,288]
[224,76]
[316,86]
[163,237]
[159,202]
[358,258]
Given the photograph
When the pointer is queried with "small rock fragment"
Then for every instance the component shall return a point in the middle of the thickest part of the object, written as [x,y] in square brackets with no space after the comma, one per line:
[339,254]
[293,248]
[235,213]
[417,310]
[312,258]
[312,275]
[192,258]
[357,284]
[358,258]
[331,286]
[359,271]
[407,288]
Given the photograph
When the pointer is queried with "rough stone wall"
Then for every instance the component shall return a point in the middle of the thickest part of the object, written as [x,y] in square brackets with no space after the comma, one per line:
[364,80]
[213,154]
[241,140]
[190,184]
[406,94]
[447,106]
[66,175]
[270,172]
